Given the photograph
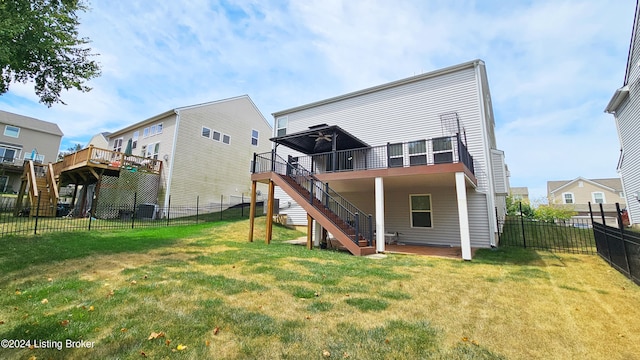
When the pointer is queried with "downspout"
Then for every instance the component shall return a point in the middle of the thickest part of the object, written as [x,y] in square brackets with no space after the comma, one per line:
[490,190]
[172,160]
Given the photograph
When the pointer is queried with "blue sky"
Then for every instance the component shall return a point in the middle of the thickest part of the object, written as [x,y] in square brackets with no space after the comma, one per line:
[552,65]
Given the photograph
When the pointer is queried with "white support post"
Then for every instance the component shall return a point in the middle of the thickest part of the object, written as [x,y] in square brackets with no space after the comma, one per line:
[463,216]
[317,233]
[379,190]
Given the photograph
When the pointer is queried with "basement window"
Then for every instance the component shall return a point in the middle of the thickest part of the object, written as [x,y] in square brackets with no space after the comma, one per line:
[420,205]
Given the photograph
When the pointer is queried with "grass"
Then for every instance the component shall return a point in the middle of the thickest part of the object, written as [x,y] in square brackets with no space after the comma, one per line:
[548,236]
[208,293]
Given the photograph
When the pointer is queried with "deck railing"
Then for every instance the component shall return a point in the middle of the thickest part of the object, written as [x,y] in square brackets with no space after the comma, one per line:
[356,219]
[442,150]
[93,156]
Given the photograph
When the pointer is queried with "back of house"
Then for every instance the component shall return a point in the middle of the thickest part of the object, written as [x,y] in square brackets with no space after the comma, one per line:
[419,155]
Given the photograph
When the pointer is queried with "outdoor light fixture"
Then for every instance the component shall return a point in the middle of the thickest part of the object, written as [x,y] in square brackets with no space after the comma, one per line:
[166,157]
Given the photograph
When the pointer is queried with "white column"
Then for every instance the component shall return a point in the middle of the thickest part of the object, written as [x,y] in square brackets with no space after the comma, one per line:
[317,233]
[379,185]
[463,216]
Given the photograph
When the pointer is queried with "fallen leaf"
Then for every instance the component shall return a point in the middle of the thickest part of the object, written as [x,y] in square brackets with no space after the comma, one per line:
[44,301]
[345,356]
[33,358]
[155,335]
[167,342]
[123,330]
[143,354]
[386,341]
[64,322]
[207,343]
[180,347]
[465,339]
[145,277]
[474,342]
[18,292]
[133,282]
[110,294]
[326,353]
[308,317]
[216,330]
[316,294]
[50,279]
[91,308]
[1,322]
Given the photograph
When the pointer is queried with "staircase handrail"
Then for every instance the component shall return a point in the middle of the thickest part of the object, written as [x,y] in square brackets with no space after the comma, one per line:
[51,183]
[30,172]
[327,195]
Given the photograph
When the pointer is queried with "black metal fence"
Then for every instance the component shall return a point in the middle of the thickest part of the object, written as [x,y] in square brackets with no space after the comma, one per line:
[565,236]
[135,215]
[618,246]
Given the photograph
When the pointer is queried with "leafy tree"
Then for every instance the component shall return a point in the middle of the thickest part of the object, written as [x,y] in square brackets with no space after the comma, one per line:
[514,205]
[550,213]
[39,41]
[70,150]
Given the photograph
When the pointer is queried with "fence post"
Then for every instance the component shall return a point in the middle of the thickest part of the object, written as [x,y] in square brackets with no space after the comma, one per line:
[35,227]
[168,210]
[524,238]
[197,207]
[311,192]
[242,205]
[253,164]
[621,227]
[606,235]
[133,213]
[221,200]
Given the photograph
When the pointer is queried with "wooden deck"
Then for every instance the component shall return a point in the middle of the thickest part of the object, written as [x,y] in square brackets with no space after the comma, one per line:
[90,163]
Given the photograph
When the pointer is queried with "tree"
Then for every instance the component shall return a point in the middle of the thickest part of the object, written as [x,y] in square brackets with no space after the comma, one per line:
[70,150]
[39,41]
[550,213]
[514,205]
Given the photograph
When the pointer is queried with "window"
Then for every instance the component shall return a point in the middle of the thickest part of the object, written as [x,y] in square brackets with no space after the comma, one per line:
[395,155]
[117,145]
[420,210]
[281,126]
[145,132]
[206,132]
[226,139]
[418,152]
[152,150]
[153,130]
[567,198]
[254,137]
[134,140]
[442,150]
[11,131]
[598,197]
[159,128]
[7,155]
[216,135]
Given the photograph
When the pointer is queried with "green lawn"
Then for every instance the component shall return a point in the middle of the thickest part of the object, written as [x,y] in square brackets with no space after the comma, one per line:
[204,292]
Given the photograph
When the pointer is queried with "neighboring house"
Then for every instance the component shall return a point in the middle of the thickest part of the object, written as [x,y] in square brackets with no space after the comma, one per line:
[520,193]
[579,192]
[625,106]
[204,149]
[24,138]
[418,154]
[100,140]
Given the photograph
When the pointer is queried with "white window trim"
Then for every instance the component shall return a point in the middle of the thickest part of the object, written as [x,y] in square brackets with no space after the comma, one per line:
[210,132]
[6,127]
[286,123]
[564,199]
[145,133]
[255,137]
[115,142]
[222,139]
[213,131]
[159,128]
[411,211]
[134,139]
[593,197]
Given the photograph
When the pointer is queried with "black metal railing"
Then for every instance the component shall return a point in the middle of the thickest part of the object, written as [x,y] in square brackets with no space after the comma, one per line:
[618,246]
[320,195]
[448,149]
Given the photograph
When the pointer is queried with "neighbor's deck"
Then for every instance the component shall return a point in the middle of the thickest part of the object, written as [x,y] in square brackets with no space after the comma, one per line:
[92,162]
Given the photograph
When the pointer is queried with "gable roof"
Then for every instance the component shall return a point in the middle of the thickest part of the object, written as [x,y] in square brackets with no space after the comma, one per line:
[611,184]
[178,109]
[29,123]
[450,69]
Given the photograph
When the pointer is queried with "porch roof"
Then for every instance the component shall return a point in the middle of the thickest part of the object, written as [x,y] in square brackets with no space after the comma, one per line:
[320,139]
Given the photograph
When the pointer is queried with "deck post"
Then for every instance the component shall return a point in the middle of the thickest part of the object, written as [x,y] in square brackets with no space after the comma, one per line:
[379,192]
[463,216]
[270,212]
[252,212]
[309,232]
[96,195]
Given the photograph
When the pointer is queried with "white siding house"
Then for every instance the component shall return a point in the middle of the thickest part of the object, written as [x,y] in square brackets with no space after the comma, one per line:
[625,106]
[400,152]
[204,149]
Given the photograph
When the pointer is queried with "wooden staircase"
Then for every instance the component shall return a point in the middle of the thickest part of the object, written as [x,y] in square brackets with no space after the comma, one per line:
[344,232]
[38,181]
